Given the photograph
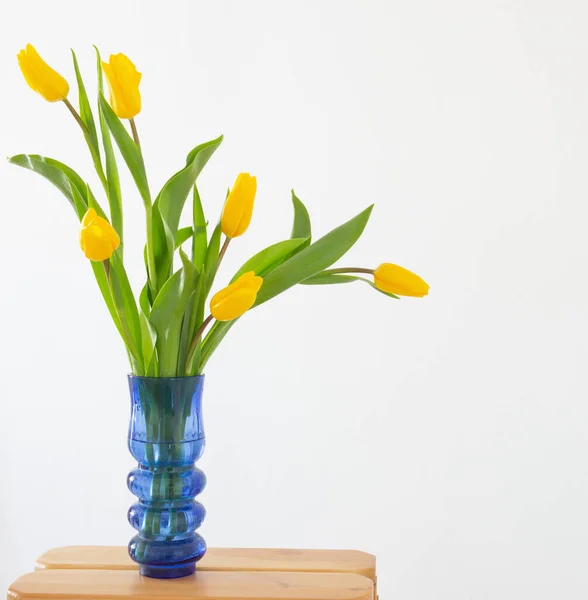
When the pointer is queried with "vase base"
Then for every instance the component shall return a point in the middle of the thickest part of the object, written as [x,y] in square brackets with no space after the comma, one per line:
[168,572]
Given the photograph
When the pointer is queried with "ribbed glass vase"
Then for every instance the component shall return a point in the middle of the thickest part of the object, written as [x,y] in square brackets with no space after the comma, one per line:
[166,437]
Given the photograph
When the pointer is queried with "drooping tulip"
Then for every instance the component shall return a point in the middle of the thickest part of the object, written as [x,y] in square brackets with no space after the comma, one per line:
[400,281]
[237,298]
[98,238]
[41,77]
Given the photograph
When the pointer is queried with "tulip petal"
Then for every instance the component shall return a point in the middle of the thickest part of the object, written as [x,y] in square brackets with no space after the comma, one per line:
[395,279]
[89,217]
[41,77]
[123,84]
[238,207]
[237,298]
[98,239]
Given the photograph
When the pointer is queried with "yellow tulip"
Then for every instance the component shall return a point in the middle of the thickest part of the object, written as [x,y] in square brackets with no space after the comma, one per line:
[400,281]
[123,83]
[98,238]
[237,298]
[239,206]
[41,77]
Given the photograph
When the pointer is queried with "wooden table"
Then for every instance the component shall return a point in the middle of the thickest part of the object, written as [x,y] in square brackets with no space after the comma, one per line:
[107,573]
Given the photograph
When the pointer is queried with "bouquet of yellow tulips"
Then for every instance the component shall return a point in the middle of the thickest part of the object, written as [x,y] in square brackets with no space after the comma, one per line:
[167,330]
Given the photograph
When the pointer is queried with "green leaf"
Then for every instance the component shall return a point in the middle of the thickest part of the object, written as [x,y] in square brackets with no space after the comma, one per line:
[126,307]
[112,176]
[199,241]
[301,227]
[170,203]
[215,336]
[102,281]
[167,314]
[129,150]
[211,259]
[86,112]
[317,257]
[93,203]
[162,242]
[272,257]
[149,340]
[196,317]
[144,300]
[64,178]
[172,197]
[80,196]
[327,278]
[99,71]
[60,175]
[80,202]
[183,235]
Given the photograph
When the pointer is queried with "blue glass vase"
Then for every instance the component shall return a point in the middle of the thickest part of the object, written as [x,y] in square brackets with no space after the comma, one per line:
[166,437]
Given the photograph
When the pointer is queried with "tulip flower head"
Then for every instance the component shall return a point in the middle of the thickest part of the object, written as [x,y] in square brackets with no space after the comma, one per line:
[239,206]
[400,281]
[123,83]
[98,238]
[41,77]
[237,298]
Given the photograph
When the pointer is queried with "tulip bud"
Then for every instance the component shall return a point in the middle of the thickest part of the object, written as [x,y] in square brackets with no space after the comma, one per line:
[397,280]
[41,77]
[239,206]
[237,298]
[123,83]
[98,238]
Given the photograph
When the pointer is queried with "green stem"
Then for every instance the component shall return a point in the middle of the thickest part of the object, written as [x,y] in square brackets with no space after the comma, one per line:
[213,338]
[349,270]
[194,343]
[151,267]
[93,150]
[135,133]
[222,252]
[76,116]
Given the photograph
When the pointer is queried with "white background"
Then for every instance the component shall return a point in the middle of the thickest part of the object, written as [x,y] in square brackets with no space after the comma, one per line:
[447,435]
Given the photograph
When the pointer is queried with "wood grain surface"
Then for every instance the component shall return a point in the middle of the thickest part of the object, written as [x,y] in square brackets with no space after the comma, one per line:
[116,558]
[81,584]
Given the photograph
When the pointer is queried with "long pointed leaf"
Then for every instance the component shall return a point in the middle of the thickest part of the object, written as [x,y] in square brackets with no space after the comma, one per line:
[79,195]
[183,235]
[86,110]
[126,307]
[199,241]
[167,314]
[213,339]
[64,178]
[148,340]
[196,317]
[102,281]
[174,193]
[168,206]
[270,258]
[128,149]
[113,180]
[301,227]
[211,259]
[61,176]
[144,300]
[317,257]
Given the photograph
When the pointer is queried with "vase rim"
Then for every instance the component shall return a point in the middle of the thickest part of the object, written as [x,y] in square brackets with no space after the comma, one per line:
[183,378]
